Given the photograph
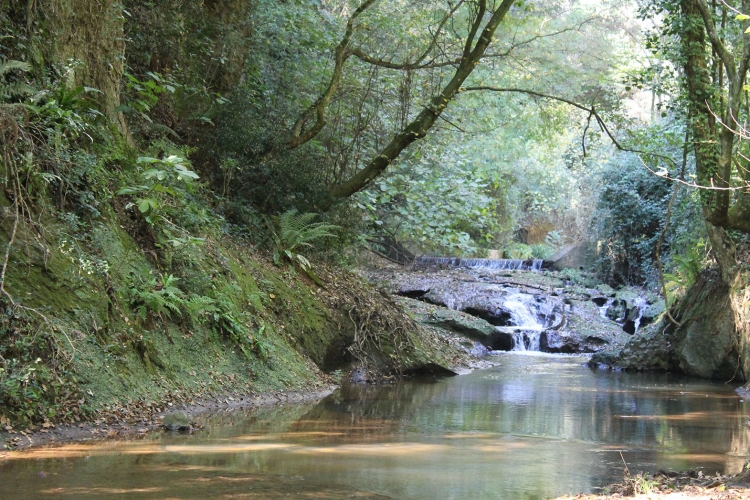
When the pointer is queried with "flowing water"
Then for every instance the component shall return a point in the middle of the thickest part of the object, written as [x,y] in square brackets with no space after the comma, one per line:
[494,264]
[536,426]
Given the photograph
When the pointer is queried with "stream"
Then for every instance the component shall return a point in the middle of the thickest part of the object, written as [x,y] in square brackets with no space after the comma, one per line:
[535,426]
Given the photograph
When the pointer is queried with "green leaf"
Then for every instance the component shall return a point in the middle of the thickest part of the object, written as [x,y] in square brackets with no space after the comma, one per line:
[146,204]
[155,172]
[129,190]
[185,174]
[146,159]
[164,189]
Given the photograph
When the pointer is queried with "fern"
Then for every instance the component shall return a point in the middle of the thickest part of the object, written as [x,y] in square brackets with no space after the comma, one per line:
[298,230]
[158,298]
[519,251]
[14,89]
[199,307]
[687,268]
[295,230]
[8,66]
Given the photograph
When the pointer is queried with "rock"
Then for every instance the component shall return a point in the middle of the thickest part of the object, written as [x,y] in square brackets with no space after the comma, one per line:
[465,324]
[473,328]
[646,351]
[177,421]
[707,344]
[570,343]
[481,306]
[618,310]
[554,342]
[358,376]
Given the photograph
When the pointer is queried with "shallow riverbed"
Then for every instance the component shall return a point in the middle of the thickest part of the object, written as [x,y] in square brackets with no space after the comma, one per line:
[536,426]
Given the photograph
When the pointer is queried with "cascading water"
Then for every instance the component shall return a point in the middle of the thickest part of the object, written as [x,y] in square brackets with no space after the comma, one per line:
[641,305]
[520,306]
[530,317]
[604,308]
[495,264]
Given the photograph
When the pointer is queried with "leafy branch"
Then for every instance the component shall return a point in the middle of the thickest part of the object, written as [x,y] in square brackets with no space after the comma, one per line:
[151,197]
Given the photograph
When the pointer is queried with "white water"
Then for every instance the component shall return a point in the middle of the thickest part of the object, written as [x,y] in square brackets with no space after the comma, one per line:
[526,313]
[526,340]
[603,309]
[520,306]
[495,264]
[641,304]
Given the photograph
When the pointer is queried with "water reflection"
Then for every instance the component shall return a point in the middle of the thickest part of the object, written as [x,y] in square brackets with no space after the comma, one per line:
[533,427]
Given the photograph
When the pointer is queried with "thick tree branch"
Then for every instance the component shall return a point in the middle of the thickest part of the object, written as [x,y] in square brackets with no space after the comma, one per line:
[342,53]
[417,63]
[716,42]
[717,173]
[481,10]
[429,115]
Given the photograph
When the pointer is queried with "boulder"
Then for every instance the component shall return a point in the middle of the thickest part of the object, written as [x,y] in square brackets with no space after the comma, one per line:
[177,421]
[706,344]
[471,327]
[646,351]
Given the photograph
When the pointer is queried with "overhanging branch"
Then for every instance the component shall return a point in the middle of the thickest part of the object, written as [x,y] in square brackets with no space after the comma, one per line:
[591,110]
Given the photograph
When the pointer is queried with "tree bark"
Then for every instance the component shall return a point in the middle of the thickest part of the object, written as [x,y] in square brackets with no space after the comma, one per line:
[90,33]
[712,157]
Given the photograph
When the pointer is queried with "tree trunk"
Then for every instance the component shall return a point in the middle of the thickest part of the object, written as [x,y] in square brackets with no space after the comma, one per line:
[89,34]
[710,158]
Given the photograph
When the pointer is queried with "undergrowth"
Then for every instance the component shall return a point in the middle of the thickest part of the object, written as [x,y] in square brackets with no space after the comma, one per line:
[37,383]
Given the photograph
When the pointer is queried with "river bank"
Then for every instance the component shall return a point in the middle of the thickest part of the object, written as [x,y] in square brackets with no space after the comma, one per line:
[525,409]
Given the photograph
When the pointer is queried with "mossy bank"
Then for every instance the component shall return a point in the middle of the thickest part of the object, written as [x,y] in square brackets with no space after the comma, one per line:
[92,322]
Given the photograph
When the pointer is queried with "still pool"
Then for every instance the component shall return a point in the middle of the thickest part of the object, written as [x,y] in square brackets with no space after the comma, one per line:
[534,427]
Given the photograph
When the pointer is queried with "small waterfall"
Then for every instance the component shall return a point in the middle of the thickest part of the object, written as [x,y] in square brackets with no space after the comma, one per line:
[495,264]
[520,306]
[526,340]
[530,317]
[641,305]
[604,308]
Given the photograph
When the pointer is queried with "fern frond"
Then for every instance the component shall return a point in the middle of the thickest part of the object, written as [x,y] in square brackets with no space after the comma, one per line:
[296,230]
[8,66]
[16,89]
[198,306]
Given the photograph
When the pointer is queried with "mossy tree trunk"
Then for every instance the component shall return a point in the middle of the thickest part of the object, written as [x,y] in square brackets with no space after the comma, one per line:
[89,35]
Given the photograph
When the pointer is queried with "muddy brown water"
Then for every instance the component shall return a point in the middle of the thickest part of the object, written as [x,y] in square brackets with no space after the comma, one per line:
[536,426]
